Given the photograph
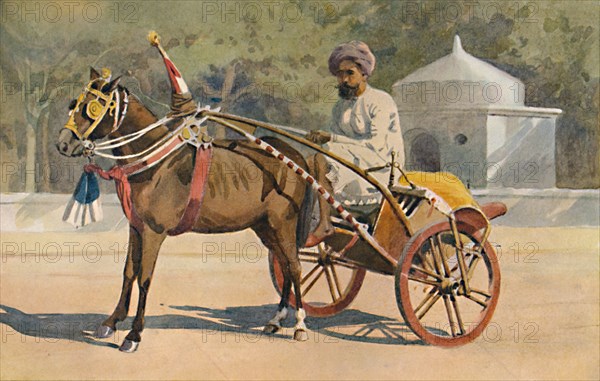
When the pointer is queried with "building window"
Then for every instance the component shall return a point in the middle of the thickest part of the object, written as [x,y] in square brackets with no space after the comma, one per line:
[460,139]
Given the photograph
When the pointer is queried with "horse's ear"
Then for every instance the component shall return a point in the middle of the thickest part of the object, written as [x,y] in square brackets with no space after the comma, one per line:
[93,74]
[113,84]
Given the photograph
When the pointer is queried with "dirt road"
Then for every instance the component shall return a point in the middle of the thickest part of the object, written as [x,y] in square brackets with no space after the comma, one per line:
[206,311]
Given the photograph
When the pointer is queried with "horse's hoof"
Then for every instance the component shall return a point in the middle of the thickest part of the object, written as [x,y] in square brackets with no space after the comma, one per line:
[271,329]
[129,346]
[103,332]
[300,335]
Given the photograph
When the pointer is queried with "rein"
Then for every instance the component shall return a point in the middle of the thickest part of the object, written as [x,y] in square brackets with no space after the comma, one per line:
[183,133]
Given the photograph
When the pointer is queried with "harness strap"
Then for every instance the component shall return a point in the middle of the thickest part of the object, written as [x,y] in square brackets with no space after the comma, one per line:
[118,121]
[198,187]
[155,157]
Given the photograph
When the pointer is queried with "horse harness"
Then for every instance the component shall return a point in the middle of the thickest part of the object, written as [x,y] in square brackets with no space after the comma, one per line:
[121,174]
[183,134]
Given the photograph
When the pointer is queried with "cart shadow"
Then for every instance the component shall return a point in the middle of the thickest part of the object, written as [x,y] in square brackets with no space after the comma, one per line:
[351,325]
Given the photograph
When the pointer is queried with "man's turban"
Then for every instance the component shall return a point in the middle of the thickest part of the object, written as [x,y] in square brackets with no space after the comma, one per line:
[355,51]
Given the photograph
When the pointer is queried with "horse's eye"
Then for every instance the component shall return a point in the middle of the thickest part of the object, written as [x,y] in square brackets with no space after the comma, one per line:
[73,104]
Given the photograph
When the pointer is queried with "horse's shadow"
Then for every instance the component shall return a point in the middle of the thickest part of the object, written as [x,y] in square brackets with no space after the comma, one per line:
[352,325]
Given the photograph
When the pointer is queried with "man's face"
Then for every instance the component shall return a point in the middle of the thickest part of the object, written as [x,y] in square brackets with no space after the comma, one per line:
[351,80]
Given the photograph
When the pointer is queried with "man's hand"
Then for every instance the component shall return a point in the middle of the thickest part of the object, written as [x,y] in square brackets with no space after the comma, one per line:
[318,136]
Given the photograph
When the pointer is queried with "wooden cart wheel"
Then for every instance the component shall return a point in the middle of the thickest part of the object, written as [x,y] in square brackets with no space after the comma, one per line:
[329,284]
[432,295]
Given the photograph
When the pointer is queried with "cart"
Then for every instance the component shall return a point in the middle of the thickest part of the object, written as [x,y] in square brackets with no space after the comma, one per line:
[427,231]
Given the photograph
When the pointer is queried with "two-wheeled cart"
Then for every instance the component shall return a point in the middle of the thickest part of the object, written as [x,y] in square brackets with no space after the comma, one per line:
[427,231]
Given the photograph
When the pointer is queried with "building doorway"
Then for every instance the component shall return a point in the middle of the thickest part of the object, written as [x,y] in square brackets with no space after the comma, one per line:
[424,154]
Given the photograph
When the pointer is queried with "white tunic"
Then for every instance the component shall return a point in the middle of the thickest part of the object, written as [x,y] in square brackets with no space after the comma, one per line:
[365,130]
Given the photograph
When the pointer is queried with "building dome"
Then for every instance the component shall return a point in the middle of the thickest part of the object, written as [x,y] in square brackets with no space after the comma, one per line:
[458,80]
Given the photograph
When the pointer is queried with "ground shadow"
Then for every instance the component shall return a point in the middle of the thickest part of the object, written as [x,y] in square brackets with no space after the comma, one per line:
[352,325]
[51,327]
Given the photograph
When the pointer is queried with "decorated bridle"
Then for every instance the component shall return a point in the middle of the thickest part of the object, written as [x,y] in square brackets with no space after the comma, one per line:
[95,110]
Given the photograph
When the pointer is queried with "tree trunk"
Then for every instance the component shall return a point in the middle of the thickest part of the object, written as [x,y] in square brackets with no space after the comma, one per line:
[45,173]
[30,170]
[31,121]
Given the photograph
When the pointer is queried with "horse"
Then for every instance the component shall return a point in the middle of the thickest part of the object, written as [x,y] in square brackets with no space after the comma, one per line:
[273,203]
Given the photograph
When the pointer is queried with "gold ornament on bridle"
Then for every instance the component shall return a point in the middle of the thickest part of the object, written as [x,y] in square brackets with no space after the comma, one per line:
[94,109]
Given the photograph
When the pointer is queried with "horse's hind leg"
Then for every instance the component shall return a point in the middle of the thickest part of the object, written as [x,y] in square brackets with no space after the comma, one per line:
[296,274]
[150,243]
[274,324]
[286,241]
[268,238]
[129,274]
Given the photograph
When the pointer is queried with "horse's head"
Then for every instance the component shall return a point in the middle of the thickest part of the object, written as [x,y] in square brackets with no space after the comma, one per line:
[92,116]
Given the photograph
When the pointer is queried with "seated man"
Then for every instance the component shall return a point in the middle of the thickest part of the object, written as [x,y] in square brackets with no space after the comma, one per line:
[365,129]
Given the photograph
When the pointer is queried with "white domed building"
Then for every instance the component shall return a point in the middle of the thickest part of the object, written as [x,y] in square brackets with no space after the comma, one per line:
[462,115]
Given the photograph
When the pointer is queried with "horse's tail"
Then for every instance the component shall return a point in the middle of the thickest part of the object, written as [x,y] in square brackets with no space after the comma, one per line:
[303,224]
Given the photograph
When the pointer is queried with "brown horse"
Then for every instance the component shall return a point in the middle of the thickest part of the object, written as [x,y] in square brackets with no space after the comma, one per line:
[272,203]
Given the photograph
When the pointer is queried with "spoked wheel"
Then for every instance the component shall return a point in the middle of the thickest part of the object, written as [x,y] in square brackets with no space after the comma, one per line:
[329,283]
[446,290]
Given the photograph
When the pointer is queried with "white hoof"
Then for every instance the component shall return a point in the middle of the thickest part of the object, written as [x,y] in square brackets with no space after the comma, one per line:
[129,346]
[300,335]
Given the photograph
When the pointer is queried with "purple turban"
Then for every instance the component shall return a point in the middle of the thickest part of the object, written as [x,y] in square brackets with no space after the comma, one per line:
[355,51]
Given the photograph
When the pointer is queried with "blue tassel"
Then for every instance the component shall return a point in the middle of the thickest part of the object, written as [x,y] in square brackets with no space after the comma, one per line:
[84,207]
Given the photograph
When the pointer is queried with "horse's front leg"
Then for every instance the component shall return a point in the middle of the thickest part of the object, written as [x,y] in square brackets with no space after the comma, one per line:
[129,274]
[150,245]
